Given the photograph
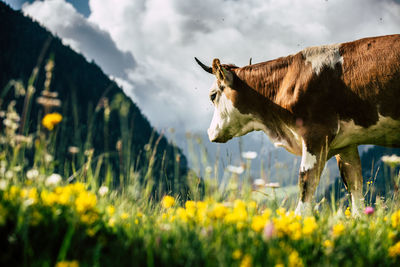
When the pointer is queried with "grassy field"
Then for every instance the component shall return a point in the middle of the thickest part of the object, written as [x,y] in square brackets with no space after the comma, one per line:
[82,220]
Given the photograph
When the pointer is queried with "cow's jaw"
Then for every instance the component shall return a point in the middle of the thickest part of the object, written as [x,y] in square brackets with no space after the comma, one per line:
[229,122]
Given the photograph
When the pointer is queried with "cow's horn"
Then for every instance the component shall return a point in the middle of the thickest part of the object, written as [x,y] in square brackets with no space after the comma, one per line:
[206,68]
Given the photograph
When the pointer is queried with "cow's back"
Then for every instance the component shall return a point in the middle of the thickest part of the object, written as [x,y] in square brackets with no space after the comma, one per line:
[371,70]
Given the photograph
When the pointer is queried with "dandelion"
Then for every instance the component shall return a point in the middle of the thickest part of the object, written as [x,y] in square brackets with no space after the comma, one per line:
[258,223]
[110,210]
[249,155]
[295,260]
[103,190]
[85,201]
[124,215]
[51,119]
[53,179]
[369,210]
[168,202]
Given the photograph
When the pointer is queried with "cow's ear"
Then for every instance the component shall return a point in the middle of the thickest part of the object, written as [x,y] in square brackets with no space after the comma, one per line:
[222,73]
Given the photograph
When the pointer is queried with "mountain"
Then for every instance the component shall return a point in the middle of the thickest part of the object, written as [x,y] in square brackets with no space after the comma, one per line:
[96,112]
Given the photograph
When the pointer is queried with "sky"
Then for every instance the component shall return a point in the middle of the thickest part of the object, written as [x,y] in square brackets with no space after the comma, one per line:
[148,46]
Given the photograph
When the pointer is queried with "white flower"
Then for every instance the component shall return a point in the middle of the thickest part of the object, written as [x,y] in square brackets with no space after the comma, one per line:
[259,182]
[103,190]
[235,169]
[249,155]
[9,174]
[3,184]
[209,169]
[53,179]
[48,158]
[392,160]
[32,174]
[273,185]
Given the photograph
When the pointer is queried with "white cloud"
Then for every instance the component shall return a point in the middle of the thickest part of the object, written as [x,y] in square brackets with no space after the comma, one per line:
[165,35]
[62,19]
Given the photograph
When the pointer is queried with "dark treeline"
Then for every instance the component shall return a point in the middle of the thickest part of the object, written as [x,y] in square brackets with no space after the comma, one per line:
[96,112]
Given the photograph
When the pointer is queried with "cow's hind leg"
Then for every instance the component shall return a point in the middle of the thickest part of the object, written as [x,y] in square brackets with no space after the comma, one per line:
[349,164]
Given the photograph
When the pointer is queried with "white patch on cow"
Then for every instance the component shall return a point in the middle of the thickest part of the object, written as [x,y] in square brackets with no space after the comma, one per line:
[320,56]
[303,208]
[308,160]
[228,122]
[384,132]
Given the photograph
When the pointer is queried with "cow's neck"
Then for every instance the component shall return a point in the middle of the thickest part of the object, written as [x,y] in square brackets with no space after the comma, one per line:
[261,83]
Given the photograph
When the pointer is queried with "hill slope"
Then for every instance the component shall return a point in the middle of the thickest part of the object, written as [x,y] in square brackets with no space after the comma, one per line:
[97,114]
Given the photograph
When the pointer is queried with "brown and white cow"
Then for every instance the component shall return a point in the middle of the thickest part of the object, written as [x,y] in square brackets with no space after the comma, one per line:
[321,102]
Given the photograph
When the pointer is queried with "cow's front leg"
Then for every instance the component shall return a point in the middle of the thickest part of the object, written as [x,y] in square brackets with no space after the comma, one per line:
[312,164]
[349,164]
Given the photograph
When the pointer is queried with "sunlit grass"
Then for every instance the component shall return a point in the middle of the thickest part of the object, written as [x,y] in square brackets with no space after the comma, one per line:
[84,220]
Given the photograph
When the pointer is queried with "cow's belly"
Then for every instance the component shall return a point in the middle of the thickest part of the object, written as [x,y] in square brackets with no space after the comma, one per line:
[386,132]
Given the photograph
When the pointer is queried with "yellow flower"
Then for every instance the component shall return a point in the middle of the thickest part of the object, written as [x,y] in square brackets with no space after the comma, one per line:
[85,201]
[246,261]
[328,244]
[218,212]
[347,212]
[258,223]
[338,229]
[237,254]
[167,202]
[110,210]
[51,119]
[310,225]
[395,219]
[124,216]
[394,250]
[295,260]
[67,264]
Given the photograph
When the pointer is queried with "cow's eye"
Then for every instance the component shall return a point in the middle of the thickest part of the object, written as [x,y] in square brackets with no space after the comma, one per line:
[213,96]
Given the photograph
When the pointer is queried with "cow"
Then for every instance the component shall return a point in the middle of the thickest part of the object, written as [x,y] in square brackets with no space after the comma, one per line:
[322,102]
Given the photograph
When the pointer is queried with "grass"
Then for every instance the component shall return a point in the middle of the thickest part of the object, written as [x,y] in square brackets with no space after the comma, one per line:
[81,220]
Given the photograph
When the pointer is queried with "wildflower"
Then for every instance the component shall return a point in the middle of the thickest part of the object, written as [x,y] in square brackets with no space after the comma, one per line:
[338,229]
[395,219]
[53,179]
[258,223]
[269,231]
[237,254]
[394,250]
[51,119]
[168,201]
[32,174]
[249,155]
[73,150]
[392,160]
[110,210]
[259,183]
[369,210]
[67,264]
[235,169]
[347,212]
[328,244]
[310,225]
[295,260]
[246,261]
[219,211]
[103,190]
[273,185]
[85,201]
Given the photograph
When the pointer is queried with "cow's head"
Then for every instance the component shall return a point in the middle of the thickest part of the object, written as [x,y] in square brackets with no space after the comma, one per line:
[227,121]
